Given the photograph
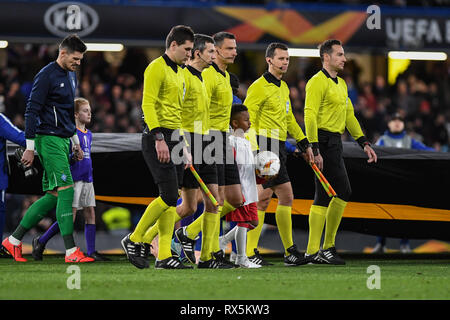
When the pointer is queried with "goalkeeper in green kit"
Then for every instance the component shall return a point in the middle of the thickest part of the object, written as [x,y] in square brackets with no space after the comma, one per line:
[49,128]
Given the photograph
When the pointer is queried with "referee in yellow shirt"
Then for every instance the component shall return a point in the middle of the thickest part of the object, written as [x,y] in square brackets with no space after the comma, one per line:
[328,112]
[195,125]
[163,95]
[218,86]
[271,115]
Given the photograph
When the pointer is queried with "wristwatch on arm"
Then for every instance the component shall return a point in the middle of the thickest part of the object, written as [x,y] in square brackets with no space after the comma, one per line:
[315,149]
[159,136]
[362,141]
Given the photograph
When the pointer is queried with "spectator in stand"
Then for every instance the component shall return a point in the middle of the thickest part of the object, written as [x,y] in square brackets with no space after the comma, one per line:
[15,101]
[397,137]
[379,89]
[351,88]
[403,99]
[420,93]
[101,98]
[109,123]
[435,98]
[116,95]
[85,90]
[440,134]
[370,97]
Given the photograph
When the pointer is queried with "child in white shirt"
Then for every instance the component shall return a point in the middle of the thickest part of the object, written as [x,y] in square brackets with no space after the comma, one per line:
[246,216]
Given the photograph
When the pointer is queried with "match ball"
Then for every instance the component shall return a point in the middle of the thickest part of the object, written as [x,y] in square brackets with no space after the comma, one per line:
[267,164]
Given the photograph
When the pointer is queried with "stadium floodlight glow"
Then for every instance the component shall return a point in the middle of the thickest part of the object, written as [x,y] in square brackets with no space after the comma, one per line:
[300,52]
[3,44]
[417,55]
[104,47]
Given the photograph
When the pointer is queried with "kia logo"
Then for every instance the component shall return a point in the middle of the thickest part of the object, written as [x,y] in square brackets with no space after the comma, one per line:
[66,18]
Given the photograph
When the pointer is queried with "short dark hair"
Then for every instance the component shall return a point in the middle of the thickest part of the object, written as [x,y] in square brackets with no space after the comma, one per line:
[222,35]
[73,43]
[234,82]
[270,51]
[236,109]
[180,34]
[200,41]
[327,47]
[396,116]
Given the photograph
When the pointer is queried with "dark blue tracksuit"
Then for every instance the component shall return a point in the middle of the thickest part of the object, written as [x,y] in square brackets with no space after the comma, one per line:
[50,108]
[7,132]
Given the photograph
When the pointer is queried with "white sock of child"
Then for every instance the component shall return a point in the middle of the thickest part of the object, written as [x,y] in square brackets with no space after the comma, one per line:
[241,241]
[227,238]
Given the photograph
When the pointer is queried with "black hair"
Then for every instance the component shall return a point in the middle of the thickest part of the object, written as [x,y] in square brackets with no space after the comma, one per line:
[180,34]
[396,116]
[270,51]
[200,41]
[219,37]
[73,43]
[327,47]
[236,109]
[234,81]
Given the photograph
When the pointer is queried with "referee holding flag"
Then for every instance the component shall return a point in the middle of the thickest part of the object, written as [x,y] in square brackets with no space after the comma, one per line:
[328,112]
[163,95]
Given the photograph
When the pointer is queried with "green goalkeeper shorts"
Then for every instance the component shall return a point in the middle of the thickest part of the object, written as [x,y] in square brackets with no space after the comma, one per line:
[53,153]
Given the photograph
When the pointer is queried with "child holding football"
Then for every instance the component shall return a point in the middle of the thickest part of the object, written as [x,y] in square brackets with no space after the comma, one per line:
[246,216]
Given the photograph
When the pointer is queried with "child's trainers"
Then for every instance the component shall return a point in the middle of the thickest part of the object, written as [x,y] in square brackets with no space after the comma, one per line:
[233,256]
[223,244]
[15,251]
[77,257]
[244,262]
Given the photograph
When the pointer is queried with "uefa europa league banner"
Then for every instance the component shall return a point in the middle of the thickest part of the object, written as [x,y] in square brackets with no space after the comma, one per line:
[297,25]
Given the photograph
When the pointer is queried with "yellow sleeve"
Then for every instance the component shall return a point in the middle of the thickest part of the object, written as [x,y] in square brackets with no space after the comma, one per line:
[293,127]
[351,122]
[153,78]
[253,102]
[209,80]
[315,90]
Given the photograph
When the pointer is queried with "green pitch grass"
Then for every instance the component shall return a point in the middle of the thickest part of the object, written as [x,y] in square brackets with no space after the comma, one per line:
[118,279]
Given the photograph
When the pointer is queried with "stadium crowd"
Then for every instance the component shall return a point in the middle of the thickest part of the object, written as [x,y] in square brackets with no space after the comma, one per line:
[113,85]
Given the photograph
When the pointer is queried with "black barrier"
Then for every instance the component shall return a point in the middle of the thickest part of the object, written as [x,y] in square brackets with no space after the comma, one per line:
[401,176]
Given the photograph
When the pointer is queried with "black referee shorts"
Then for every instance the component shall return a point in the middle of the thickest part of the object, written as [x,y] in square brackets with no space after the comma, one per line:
[227,170]
[330,147]
[205,169]
[278,147]
[168,176]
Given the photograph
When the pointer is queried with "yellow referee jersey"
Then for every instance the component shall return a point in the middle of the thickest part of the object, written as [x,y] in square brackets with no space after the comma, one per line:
[270,109]
[163,94]
[195,109]
[328,107]
[221,97]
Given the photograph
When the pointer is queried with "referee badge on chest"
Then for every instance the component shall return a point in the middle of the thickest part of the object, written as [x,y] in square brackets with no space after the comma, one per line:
[184,89]
[287,106]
